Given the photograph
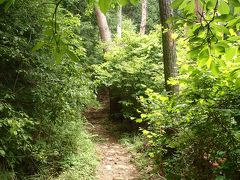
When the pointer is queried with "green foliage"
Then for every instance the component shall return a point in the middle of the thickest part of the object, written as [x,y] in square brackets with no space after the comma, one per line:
[195,134]
[134,13]
[213,31]
[61,35]
[132,64]
[7,4]
[105,5]
[42,103]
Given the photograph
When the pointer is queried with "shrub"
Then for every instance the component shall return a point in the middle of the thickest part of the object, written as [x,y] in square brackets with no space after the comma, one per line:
[132,64]
[41,103]
[195,134]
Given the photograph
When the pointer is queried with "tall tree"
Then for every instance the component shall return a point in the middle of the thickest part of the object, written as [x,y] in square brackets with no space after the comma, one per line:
[169,46]
[198,10]
[105,35]
[119,21]
[104,30]
[144,17]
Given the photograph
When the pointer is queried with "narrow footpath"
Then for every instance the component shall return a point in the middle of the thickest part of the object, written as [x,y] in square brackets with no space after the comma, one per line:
[115,161]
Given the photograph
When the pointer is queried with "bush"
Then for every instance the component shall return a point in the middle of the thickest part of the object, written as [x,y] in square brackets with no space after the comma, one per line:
[195,134]
[41,103]
[132,64]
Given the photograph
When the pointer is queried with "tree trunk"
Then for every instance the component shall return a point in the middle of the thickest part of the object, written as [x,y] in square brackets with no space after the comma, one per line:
[198,10]
[144,17]
[105,35]
[103,26]
[119,23]
[169,46]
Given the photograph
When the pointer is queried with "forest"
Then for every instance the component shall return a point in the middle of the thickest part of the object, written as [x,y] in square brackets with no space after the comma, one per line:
[119,89]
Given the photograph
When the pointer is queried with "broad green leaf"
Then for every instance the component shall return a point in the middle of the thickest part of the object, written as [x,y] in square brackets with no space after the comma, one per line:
[223,44]
[235,72]
[176,3]
[190,7]
[235,3]
[209,62]
[183,5]
[220,28]
[139,120]
[234,38]
[231,53]
[38,45]
[236,10]
[223,7]
[134,1]
[233,21]
[8,4]
[218,48]
[194,53]
[72,55]
[211,4]
[214,68]
[237,83]
[203,57]
[223,17]
[58,57]
[104,5]
[123,2]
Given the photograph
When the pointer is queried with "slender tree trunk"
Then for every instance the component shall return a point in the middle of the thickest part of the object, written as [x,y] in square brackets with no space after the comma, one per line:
[105,35]
[198,10]
[169,46]
[144,17]
[104,30]
[119,23]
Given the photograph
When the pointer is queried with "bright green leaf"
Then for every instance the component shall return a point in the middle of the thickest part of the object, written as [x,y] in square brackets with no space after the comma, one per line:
[104,5]
[8,4]
[38,46]
[72,55]
[123,2]
[134,1]
[214,68]
[237,83]
[176,3]
[231,53]
[203,57]
[223,7]
[235,3]
[139,120]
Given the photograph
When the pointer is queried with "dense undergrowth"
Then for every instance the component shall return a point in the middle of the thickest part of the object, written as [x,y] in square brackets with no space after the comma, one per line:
[46,83]
[42,102]
[192,134]
[131,66]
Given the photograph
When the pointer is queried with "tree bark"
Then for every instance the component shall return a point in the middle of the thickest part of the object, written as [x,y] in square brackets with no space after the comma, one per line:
[119,23]
[144,17]
[169,46]
[198,10]
[105,35]
[104,30]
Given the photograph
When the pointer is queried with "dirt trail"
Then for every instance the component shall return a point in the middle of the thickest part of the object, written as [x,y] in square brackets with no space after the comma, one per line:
[115,159]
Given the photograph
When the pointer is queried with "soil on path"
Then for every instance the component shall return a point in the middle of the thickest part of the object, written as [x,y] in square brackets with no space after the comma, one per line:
[115,161]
